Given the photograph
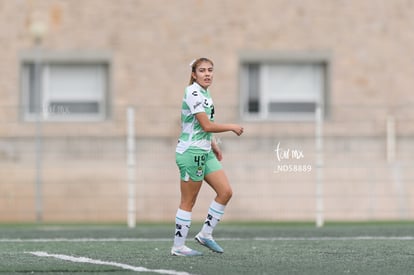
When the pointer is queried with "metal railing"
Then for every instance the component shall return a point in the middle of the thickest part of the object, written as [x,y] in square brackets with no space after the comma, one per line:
[343,167]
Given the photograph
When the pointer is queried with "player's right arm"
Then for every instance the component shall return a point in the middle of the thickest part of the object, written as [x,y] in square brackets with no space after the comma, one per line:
[211,127]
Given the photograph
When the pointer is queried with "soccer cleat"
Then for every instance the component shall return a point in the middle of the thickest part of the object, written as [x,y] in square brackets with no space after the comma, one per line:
[209,243]
[184,251]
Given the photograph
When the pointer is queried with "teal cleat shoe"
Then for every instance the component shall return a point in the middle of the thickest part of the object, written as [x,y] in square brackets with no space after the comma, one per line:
[209,243]
[185,251]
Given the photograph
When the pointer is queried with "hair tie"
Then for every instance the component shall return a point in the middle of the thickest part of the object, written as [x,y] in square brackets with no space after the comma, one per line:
[192,63]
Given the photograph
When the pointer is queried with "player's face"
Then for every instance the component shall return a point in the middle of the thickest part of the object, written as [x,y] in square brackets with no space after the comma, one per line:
[203,74]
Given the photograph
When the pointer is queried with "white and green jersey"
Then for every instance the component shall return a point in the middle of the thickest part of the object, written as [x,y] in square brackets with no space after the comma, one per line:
[196,100]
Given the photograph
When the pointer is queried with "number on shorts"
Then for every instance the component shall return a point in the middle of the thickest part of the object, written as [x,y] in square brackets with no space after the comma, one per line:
[200,160]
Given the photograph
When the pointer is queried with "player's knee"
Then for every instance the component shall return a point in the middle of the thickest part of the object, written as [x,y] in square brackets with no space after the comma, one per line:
[229,194]
[226,194]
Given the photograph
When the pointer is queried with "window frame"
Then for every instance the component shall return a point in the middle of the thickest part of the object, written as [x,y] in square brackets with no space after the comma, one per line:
[45,59]
[291,58]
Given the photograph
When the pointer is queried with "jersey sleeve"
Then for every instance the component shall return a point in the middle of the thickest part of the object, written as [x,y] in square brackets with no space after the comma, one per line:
[194,101]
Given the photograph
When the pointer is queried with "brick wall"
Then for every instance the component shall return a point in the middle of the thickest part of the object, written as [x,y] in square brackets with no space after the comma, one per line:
[152,42]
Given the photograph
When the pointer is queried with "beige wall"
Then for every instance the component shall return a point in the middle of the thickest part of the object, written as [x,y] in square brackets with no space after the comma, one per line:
[151,43]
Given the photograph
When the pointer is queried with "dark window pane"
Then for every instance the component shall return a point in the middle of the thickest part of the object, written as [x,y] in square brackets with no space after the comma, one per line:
[253,104]
[32,87]
[292,107]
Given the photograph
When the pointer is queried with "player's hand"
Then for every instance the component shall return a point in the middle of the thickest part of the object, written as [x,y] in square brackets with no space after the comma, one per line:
[217,150]
[238,130]
[218,153]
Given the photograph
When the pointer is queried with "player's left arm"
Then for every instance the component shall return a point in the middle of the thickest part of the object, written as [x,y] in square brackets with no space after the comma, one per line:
[216,150]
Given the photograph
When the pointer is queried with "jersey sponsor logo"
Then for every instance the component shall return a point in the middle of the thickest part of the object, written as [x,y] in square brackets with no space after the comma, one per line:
[197,104]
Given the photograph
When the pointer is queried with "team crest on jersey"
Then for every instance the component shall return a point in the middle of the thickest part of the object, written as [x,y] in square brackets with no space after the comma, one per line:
[207,103]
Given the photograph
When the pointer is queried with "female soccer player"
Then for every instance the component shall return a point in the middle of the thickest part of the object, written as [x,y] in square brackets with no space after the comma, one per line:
[197,157]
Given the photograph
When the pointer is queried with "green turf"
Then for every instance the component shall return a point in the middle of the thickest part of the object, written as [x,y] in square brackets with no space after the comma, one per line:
[259,249]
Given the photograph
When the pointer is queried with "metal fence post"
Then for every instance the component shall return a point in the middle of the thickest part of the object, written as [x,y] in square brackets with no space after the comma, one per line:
[319,166]
[131,166]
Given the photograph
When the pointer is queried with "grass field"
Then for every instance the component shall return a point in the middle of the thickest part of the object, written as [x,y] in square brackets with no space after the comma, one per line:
[297,248]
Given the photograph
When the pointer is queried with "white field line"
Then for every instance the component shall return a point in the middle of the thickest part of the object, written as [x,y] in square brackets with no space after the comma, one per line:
[100,262]
[356,238]
[80,240]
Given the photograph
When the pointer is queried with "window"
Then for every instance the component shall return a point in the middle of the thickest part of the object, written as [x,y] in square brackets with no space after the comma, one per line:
[67,88]
[283,88]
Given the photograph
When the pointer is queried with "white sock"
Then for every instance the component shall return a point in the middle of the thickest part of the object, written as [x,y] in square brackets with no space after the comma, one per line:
[215,212]
[182,226]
